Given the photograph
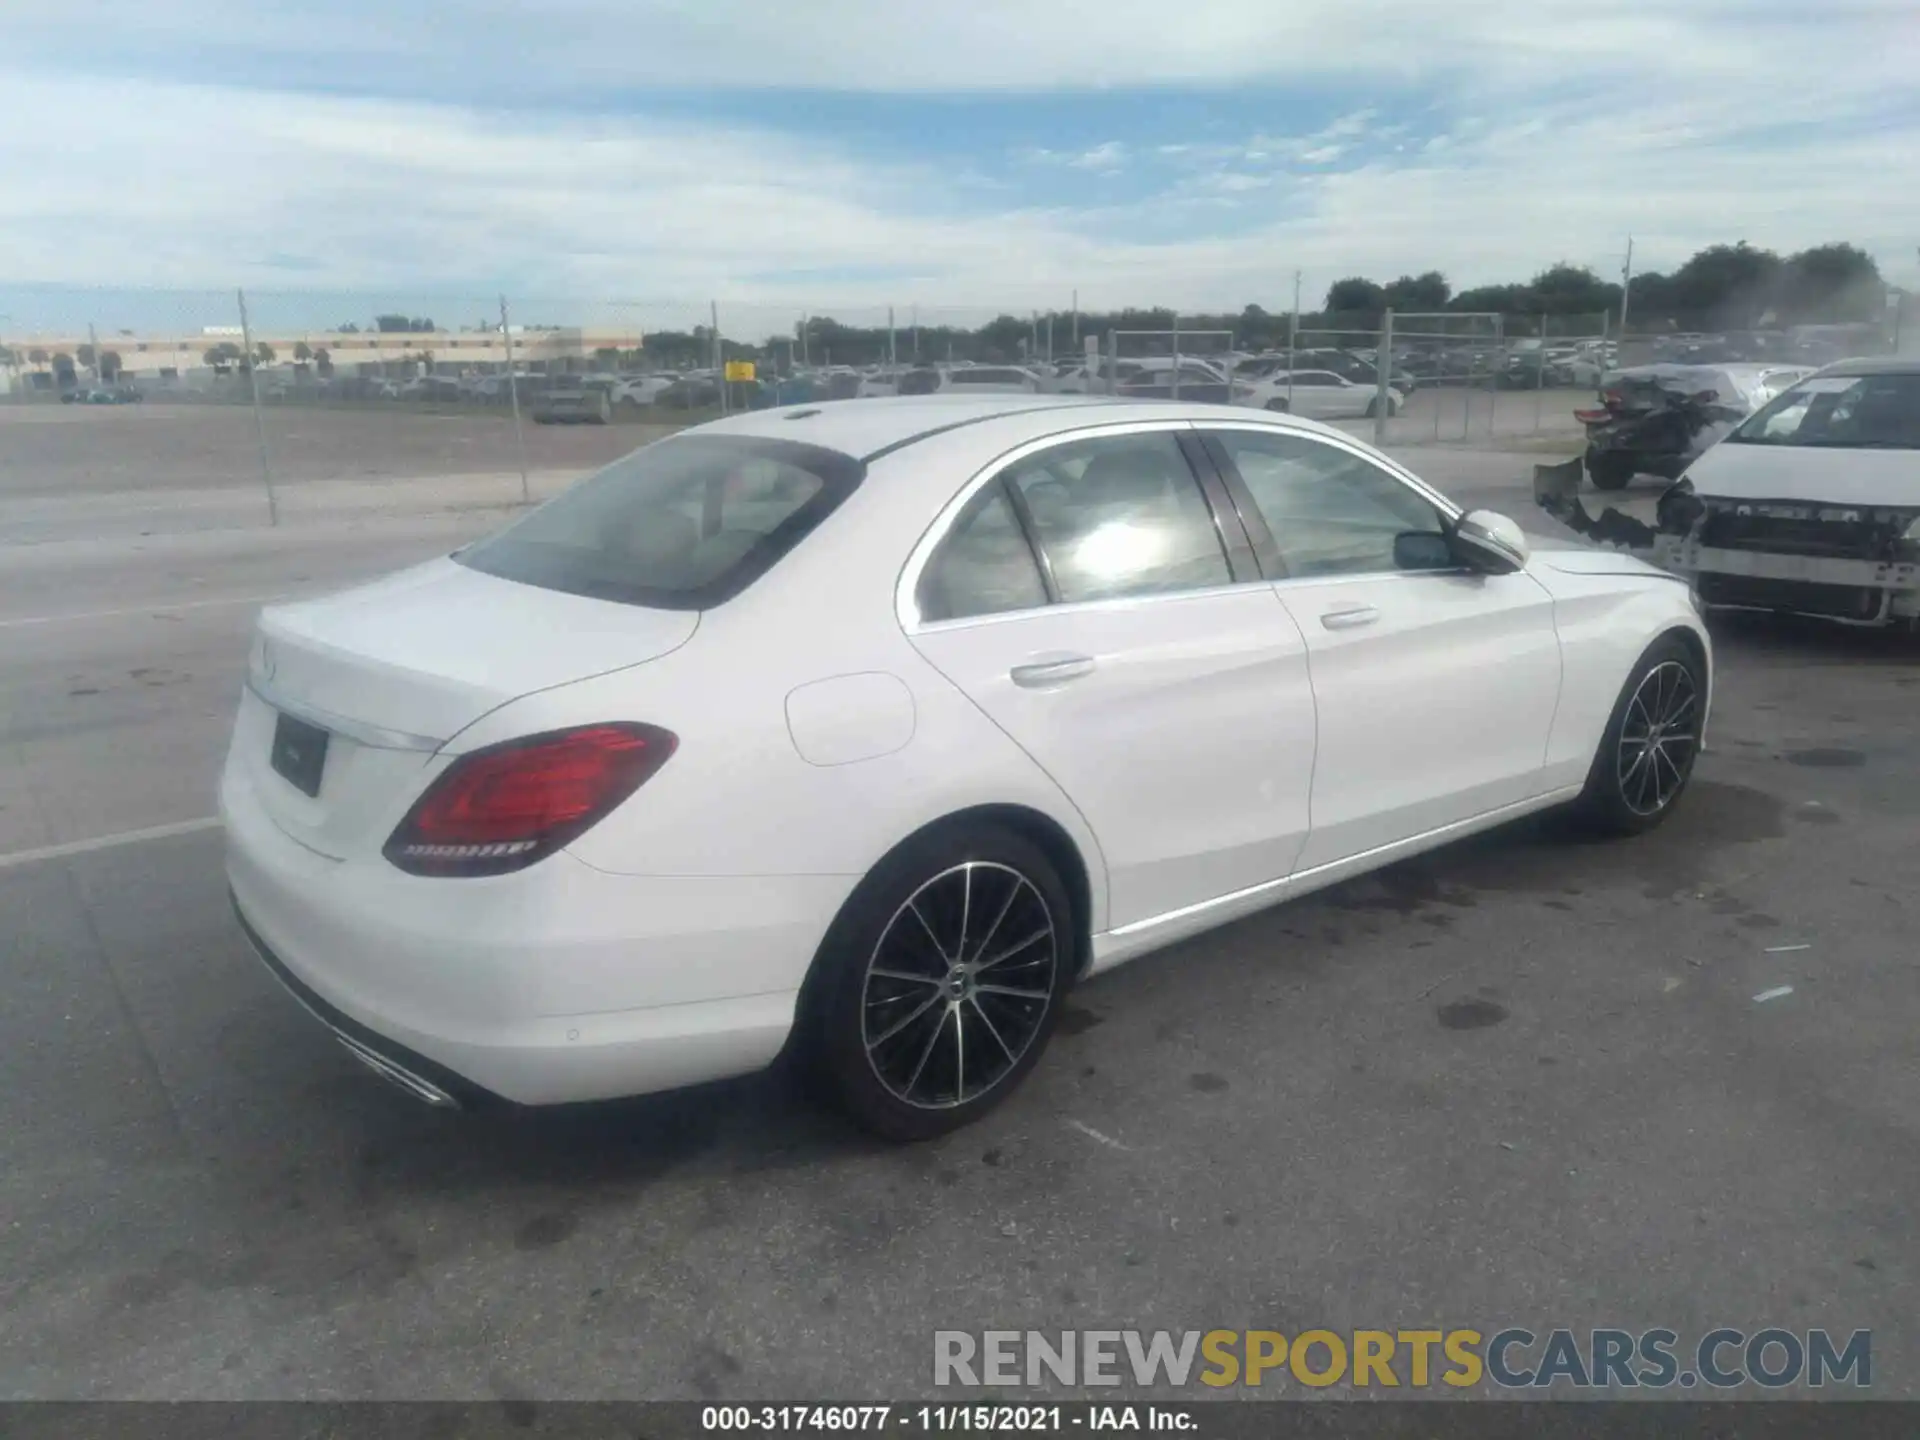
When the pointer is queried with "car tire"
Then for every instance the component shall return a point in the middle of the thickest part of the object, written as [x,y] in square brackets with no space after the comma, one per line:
[888,967]
[1610,470]
[1278,406]
[1639,773]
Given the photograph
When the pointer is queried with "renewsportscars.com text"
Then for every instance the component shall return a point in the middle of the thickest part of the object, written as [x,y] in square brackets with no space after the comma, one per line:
[1511,1358]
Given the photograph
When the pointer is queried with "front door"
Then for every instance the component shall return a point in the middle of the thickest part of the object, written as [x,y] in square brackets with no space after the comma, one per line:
[1435,689]
[1084,600]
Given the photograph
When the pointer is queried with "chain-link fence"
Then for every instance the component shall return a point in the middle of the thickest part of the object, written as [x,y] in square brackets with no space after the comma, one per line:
[505,398]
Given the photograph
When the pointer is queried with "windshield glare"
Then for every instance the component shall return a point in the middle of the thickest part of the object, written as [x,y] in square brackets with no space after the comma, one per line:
[1851,412]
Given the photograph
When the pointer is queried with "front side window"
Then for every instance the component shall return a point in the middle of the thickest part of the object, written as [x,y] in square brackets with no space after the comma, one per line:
[984,566]
[1120,515]
[683,524]
[1331,511]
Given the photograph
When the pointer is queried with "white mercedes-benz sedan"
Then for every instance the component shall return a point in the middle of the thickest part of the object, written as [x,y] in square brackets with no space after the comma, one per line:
[862,731]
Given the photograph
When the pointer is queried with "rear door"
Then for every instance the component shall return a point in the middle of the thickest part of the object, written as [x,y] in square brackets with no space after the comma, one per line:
[1089,598]
[1435,688]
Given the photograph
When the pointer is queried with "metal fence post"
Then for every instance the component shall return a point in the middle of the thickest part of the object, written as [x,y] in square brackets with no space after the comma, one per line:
[259,420]
[1540,377]
[719,352]
[893,362]
[1493,380]
[1440,373]
[1382,377]
[1293,336]
[1113,362]
[1176,357]
[513,397]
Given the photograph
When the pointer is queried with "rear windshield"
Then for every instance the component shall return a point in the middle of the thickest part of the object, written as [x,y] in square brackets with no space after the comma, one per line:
[1845,412]
[684,524]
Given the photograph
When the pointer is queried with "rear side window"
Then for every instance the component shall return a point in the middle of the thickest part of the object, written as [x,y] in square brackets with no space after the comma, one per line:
[685,524]
[984,566]
[1120,515]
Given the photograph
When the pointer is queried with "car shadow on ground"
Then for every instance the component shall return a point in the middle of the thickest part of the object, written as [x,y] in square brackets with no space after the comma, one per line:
[1805,639]
[777,1120]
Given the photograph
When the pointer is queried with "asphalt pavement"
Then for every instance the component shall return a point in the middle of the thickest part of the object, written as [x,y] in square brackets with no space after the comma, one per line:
[1521,1081]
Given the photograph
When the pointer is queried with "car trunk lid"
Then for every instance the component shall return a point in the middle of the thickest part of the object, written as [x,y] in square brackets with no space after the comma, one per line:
[393,670]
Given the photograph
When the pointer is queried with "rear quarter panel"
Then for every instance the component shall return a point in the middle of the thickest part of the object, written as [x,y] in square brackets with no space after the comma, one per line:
[739,797]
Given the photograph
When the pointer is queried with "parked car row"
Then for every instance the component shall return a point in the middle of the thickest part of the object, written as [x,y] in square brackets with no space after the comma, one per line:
[1811,345]
[102,395]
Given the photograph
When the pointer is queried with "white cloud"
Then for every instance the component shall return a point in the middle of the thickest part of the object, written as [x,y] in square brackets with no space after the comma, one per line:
[1106,158]
[571,46]
[1681,124]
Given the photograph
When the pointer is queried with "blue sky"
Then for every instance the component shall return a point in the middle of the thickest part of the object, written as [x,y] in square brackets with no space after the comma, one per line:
[640,157]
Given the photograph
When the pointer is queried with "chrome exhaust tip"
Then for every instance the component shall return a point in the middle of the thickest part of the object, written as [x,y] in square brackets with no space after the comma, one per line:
[419,1088]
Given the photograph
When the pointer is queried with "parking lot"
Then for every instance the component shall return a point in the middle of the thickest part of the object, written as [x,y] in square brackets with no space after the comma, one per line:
[164,465]
[1523,1081]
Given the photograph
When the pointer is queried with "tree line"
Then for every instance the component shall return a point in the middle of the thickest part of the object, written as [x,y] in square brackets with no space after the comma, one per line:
[1723,287]
[1720,288]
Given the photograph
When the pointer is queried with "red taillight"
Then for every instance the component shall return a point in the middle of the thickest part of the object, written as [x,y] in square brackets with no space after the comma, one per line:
[1612,399]
[504,807]
[1592,417]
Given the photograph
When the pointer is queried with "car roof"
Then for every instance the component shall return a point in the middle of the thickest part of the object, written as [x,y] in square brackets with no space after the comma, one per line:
[866,427]
[869,429]
[1875,365]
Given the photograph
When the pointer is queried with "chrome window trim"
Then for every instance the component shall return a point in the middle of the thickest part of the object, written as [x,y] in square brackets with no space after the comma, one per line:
[1077,607]
[906,604]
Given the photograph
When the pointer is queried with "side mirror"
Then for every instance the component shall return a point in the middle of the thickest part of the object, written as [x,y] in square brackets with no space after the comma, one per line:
[1490,542]
[1423,550]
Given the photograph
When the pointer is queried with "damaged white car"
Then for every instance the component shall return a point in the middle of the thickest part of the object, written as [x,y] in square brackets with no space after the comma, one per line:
[1812,505]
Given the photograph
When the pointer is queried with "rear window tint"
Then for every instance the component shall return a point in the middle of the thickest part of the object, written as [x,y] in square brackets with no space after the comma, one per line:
[684,524]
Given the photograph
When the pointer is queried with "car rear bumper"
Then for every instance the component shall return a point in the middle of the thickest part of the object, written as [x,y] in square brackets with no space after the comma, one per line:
[560,983]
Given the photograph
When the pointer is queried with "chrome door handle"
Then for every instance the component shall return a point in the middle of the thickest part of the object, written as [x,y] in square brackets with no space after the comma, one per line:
[1349,618]
[1052,671]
